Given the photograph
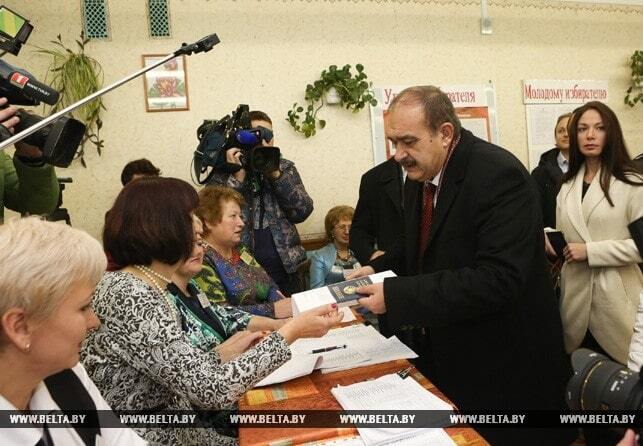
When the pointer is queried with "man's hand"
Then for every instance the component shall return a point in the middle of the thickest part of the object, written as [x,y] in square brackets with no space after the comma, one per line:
[375,300]
[7,116]
[575,252]
[629,439]
[283,308]
[238,343]
[361,272]
[233,156]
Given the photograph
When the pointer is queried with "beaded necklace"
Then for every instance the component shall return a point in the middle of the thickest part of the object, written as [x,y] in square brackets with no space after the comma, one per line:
[150,274]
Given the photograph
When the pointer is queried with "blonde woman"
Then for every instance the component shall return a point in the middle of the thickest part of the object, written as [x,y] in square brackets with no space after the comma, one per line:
[49,272]
[328,264]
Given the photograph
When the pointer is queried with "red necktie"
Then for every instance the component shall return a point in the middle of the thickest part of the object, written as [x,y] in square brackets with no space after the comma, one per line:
[427,215]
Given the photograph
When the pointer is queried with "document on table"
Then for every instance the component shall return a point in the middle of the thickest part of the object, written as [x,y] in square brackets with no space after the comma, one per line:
[389,392]
[364,346]
[384,350]
[431,437]
[300,365]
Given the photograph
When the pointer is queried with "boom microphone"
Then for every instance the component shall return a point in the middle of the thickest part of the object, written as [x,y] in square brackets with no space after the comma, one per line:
[31,87]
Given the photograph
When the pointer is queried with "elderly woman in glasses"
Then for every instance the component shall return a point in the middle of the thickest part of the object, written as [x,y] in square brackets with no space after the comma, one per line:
[330,264]
[231,275]
[49,272]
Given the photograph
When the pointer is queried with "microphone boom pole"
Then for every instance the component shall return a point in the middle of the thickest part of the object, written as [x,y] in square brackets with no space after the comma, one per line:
[203,45]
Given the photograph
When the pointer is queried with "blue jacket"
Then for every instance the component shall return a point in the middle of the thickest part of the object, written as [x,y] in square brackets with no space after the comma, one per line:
[321,261]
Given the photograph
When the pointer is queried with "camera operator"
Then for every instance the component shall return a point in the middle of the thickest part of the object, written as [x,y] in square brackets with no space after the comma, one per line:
[275,202]
[27,184]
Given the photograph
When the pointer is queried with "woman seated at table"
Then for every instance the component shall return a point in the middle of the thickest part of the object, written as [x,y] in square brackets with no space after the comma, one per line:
[328,264]
[140,357]
[49,271]
[206,324]
[230,273]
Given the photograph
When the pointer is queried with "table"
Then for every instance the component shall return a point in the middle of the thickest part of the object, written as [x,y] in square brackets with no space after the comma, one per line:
[313,393]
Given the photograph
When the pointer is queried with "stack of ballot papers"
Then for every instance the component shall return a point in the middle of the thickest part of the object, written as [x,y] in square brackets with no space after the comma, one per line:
[342,293]
[394,393]
[430,437]
[345,348]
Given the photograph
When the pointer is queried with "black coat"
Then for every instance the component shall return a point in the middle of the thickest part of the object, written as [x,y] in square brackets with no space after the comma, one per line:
[548,178]
[494,331]
[378,215]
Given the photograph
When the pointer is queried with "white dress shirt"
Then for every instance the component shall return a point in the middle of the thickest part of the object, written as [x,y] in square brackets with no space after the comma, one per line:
[42,401]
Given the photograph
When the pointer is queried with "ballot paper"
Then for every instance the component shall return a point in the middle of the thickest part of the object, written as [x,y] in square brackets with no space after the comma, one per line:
[389,392]
[342,294]
[431,437]
[351,347]
[384,350]
[300,365]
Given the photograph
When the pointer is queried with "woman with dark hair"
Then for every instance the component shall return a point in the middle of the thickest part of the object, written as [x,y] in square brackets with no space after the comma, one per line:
[601,194]
[141,358]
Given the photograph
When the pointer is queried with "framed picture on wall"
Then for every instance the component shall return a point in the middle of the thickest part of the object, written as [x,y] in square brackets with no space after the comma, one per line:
[166,86]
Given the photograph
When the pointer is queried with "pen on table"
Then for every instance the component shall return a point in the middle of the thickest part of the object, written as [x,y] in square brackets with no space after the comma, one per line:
[404,373]
[328,349]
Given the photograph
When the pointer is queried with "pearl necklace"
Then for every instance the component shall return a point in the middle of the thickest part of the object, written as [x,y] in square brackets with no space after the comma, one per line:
[147,271]
[150,274]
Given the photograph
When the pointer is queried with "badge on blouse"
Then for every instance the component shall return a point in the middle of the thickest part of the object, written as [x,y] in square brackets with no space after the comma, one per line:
[246,257]
[203,300]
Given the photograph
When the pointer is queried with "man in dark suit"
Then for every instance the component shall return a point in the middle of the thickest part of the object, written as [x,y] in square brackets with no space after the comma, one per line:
[378,214]
[376,224]
[481,291]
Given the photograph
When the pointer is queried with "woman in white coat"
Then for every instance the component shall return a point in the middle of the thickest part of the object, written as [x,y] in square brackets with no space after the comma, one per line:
[601,194]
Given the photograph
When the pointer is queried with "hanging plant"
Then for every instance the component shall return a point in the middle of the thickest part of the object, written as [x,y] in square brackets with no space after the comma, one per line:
[635,92]
[352,90]
[75,76]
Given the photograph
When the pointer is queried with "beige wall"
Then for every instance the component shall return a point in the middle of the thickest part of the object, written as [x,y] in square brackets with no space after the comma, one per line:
[271,49]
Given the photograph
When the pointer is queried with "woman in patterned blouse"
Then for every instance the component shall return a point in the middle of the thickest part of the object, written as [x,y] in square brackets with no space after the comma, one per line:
[209,325]
[140,358]
[230,273]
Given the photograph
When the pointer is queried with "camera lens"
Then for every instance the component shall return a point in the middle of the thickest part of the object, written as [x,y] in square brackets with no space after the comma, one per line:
[601,384]
[264,159]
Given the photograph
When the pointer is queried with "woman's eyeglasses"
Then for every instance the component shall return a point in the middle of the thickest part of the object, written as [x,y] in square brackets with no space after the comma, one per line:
[343,227]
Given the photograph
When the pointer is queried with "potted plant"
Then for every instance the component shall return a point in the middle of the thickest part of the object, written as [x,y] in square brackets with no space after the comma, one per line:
[351,89]
[76,75]
[635,92]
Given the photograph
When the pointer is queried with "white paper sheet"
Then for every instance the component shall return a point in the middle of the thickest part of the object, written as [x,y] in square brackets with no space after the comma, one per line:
[389,392]
[299,365]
